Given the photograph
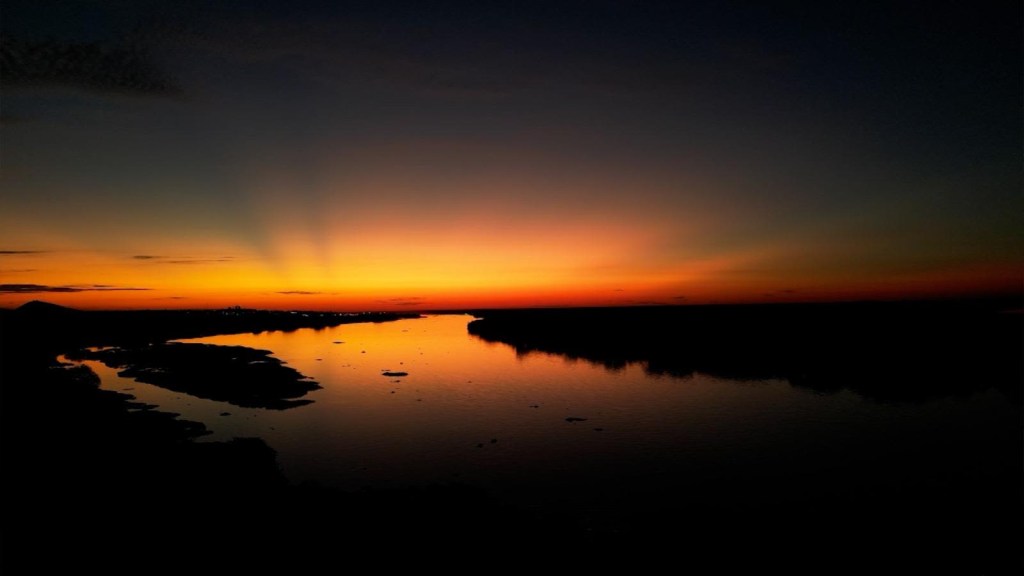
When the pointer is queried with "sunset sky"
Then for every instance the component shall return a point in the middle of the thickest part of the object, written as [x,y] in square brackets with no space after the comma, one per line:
[429,155]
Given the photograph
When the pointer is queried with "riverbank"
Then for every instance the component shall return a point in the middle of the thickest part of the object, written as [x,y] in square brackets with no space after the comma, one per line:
[44,329]
[884,351]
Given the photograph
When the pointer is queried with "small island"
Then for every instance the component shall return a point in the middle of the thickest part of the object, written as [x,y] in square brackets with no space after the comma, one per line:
[235,374]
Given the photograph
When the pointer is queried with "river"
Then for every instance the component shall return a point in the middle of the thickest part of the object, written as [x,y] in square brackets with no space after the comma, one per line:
[541,428]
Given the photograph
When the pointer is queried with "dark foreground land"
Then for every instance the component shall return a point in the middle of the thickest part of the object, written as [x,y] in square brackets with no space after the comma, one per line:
[93,480]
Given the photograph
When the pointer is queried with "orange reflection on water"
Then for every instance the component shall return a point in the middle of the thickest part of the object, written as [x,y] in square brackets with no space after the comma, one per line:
[469,410]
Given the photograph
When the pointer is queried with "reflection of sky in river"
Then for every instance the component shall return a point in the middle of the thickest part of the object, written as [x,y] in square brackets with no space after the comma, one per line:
[474,412]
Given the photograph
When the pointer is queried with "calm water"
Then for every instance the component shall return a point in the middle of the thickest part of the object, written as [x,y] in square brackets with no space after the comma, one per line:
[476,413]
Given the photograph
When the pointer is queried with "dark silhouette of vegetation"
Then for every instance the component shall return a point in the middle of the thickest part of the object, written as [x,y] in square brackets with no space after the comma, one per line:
[45,327]
[905,351]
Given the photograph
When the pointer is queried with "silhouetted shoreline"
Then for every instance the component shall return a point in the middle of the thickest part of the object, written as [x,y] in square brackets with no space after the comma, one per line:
[886,351]
[43,328]
[234,374]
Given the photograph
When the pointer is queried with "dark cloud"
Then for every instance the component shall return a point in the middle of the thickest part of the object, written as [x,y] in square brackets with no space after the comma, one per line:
[18,270]
[647,303]
[407,301]
[37,288]
[93,65]
[15,252]
[33,288]
[181,260]
[198,261]
[679,297]
[299,292]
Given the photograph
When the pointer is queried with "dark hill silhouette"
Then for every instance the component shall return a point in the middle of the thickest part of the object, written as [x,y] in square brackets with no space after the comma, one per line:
[40,307]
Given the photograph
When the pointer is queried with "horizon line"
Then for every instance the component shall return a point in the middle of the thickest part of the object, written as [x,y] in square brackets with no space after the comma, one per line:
[995,297]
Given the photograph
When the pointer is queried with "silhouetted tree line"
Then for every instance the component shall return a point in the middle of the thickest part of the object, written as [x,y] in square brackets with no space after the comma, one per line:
[901,351]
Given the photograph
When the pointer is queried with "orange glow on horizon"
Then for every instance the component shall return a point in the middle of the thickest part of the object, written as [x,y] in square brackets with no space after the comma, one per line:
[249,284]
[468,260]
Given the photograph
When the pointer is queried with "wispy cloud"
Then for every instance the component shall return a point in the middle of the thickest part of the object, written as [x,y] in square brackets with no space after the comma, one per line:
[298,292]
[406,301]
[181,259]
[18,270]
[647,303]
[17,252]
[779,293]
[125,67]
[198,261]
[39,288]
